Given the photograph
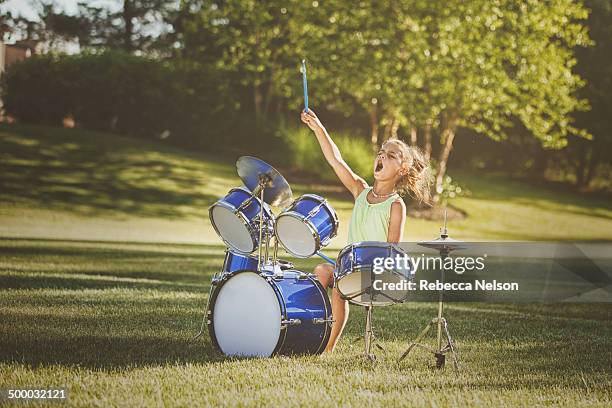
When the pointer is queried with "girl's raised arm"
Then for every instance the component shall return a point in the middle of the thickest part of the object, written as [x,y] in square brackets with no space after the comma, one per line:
[347,176]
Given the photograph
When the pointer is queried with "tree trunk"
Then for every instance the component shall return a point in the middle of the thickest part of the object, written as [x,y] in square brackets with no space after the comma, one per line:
[448,136]
[128,16]
[428,139]
[394,128]
[257,101]
[592,166]
[374,126]
[540,163]
[267,98]
[413,135]
[386,132]
[581,168]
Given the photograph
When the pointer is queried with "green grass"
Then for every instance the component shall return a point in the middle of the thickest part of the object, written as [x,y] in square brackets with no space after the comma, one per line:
[106,255]
[62,183]
[113,322]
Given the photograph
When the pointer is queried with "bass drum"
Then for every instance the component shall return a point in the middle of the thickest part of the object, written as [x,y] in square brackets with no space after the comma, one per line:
[260,315]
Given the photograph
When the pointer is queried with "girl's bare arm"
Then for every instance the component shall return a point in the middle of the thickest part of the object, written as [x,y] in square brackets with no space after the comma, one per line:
[354,183]
[397,219]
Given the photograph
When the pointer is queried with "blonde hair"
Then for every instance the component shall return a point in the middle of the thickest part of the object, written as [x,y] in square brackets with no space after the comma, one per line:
[416,183]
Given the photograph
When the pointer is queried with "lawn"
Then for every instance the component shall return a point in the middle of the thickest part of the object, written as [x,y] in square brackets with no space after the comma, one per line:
[58,183]
[106,255]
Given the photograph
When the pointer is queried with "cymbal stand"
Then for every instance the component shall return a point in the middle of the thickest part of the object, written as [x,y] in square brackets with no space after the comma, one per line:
[439,321]
[264,180]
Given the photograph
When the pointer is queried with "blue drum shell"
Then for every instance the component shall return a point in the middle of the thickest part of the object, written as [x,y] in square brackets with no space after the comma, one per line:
[323,220]
[237,196]
[305,299]
[235,261]
[362,254]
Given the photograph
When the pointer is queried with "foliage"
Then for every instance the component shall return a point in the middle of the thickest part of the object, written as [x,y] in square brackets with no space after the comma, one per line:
[450,189]
[595,66]
[131,25]
[497,68]
[304,153]
[117,92]
[480,65]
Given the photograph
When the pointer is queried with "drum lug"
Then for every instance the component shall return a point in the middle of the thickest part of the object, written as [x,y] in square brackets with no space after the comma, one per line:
[290,322]
[320,320]
[316,209]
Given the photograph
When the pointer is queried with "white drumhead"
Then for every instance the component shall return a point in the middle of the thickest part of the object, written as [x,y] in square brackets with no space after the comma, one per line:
[247,316]
[349,285]
[355,282]
[232,229]
[295,236]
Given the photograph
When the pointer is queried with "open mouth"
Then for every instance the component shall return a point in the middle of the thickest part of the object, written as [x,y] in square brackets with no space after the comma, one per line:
[379,166]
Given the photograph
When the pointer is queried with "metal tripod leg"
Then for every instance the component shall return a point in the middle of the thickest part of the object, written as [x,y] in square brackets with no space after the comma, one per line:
[369,337]
[439,352]
[205,318]
[417,341]
[450,346]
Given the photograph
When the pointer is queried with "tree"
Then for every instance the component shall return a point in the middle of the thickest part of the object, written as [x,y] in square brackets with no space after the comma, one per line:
[595,65]
[136,26]
[247,40]
[439,66]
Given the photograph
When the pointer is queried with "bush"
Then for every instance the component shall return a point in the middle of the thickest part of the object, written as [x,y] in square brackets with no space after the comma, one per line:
[33,91]
[118,92]
[304,153]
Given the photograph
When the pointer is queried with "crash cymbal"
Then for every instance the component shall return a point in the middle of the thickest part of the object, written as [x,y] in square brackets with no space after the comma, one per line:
[251,170]
[445,244]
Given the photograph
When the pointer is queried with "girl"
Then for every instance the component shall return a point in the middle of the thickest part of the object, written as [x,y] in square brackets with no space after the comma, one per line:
[379,212]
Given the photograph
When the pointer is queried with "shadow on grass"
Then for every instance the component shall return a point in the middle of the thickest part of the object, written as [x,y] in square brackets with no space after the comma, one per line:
[89,173]
[96,305]
[130,316]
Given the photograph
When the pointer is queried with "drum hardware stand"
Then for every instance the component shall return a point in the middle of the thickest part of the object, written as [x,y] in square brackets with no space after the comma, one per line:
[369,336]
[213,283]
[264,181]
[444,245]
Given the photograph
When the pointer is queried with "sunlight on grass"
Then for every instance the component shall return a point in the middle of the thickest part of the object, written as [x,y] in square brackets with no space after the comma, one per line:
[113,323]
[67,183]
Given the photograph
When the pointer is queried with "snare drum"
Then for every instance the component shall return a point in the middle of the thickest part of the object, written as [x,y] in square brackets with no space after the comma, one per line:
[306,226]
[254,314]
[355,277]
[235,218]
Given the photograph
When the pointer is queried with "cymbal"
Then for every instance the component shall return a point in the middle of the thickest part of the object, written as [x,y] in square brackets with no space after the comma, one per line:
[443,244]
[277,191]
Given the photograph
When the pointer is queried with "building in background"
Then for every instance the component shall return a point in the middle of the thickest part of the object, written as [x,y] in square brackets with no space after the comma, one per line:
[11,53]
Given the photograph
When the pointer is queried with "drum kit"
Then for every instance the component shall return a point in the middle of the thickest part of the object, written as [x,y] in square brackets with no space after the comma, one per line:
[260,305]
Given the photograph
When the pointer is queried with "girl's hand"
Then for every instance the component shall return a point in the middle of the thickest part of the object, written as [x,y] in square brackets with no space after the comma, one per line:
[311,120]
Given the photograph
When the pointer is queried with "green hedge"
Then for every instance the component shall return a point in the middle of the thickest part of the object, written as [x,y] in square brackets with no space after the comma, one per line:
[303,152]
[118,92]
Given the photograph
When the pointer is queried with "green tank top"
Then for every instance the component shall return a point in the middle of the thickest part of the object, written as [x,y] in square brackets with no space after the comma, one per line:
[370,222]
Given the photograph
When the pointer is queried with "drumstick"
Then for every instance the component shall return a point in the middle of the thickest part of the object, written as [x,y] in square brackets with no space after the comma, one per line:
[305,82]
[327,258]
